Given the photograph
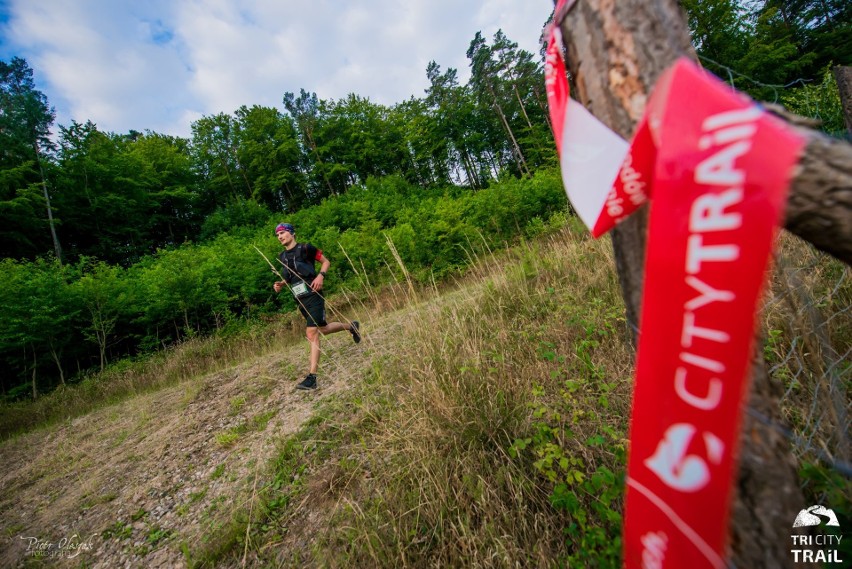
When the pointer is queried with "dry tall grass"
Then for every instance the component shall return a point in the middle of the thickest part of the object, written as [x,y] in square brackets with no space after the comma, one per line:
[808,324]
[497,436]
[513,384]
[492,429]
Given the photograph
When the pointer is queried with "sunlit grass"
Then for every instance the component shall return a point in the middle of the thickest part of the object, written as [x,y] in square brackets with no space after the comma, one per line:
[504,392]
[490,430]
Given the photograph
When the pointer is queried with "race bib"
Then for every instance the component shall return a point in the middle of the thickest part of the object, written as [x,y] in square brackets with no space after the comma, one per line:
[300,289]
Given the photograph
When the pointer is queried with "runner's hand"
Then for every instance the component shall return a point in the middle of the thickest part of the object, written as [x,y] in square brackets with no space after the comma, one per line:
[278,286]
[317,284]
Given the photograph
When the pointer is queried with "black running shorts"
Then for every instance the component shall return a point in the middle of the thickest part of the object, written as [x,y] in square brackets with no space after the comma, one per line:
[312,307]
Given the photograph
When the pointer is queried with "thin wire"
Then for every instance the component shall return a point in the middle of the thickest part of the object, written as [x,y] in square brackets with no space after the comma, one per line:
[732,72]
[318,293]
[843,468]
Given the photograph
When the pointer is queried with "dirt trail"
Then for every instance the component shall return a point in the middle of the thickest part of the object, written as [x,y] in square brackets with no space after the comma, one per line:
[124,486]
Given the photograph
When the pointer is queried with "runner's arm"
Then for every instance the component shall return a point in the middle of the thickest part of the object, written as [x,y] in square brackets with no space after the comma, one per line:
[320,278]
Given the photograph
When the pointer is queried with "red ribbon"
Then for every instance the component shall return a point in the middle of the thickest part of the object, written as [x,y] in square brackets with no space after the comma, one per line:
[717,168]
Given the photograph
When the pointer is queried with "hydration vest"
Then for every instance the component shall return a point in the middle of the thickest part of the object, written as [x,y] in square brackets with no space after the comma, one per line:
[296,260]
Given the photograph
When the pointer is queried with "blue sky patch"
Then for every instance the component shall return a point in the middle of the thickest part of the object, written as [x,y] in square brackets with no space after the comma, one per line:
[161,65]
[160,33]
[5,48]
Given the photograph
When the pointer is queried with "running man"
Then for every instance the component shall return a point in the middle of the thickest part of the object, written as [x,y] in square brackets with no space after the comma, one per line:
[300,275]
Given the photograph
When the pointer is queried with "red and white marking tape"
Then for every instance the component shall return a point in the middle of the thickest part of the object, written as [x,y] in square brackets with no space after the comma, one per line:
[716,169]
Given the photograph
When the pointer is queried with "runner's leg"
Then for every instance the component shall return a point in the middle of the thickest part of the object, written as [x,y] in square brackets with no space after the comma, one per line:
[313,335]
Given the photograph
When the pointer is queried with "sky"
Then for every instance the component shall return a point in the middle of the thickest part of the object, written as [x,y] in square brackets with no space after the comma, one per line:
[159,65]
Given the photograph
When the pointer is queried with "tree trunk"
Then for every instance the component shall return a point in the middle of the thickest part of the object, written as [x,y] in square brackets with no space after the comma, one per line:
[615,52]
[523,108]
[242,171]
[56,248]
[516,150]
[35,365]
[542,104]
[470,169]
[827,15]
[56,360]
[843,76]
[224,162]
[819,209]
[101,335]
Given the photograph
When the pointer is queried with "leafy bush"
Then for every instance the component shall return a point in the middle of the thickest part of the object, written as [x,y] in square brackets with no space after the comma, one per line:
[92,314]
[818,101]
[234,217]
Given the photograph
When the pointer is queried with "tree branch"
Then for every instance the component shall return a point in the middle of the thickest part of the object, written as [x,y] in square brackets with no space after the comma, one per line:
[819,208]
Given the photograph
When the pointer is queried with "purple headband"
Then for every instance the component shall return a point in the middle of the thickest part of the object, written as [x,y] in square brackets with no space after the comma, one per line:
[285,227]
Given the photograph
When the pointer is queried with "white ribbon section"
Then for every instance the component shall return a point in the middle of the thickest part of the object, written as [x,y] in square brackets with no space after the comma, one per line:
[591,157]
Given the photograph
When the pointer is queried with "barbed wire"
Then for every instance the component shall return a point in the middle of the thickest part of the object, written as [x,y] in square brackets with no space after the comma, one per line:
[844,468]
[731,72]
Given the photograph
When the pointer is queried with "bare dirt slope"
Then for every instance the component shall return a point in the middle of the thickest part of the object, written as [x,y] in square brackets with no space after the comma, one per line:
[127,485]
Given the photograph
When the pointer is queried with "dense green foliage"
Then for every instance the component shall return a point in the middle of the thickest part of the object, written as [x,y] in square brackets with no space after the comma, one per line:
[520,405]
[61,319]
[118,244]
[114,245]
[25,121]
[775,50]
[120,197]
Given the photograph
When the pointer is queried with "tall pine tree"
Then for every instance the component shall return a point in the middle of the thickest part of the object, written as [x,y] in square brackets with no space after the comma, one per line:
[25,121]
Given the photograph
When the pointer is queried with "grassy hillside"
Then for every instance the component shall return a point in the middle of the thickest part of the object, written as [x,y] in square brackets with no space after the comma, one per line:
[482,422]
[495,427]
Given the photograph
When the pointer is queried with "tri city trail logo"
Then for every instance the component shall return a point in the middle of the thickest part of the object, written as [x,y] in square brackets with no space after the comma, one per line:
[819,547]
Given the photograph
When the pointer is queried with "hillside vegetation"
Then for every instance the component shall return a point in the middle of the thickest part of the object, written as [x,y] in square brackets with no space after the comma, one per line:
[65,315]
[116,245]
[473,422]
[482,422]
[147,408]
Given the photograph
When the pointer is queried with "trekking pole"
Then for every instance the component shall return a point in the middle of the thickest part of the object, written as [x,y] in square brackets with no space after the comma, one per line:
[268,262]
[274,270]
[301,278]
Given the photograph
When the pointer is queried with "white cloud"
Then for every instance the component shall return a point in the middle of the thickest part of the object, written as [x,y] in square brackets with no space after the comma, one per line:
[161,64]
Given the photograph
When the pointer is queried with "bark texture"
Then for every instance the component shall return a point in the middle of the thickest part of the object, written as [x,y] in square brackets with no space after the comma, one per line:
[819,209]
[843,76]
[615,51]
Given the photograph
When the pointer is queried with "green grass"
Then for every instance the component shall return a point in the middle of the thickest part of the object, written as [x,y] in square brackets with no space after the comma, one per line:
[218,472]
[494,436]
[493,431]
[228,438]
